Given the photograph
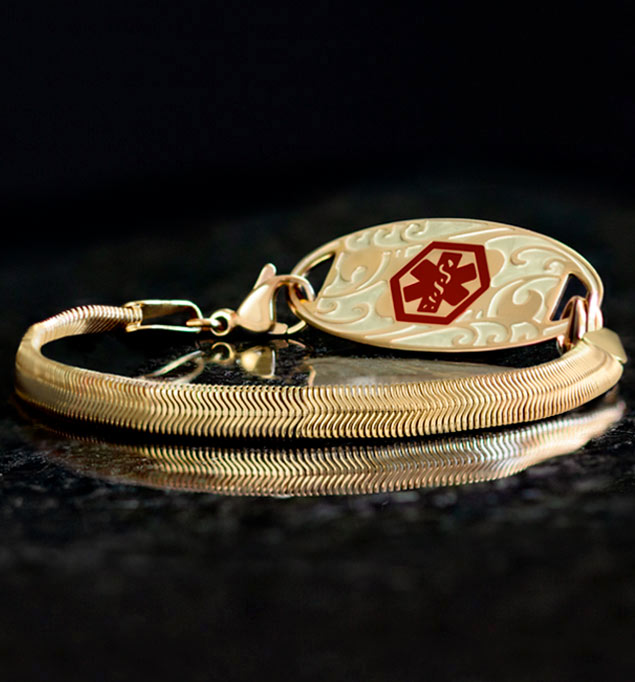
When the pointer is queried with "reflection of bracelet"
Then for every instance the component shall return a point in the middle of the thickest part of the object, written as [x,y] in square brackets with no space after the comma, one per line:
[332,468]
[430,285]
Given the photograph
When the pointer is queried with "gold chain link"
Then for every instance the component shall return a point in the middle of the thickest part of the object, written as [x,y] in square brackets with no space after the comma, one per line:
[589,368]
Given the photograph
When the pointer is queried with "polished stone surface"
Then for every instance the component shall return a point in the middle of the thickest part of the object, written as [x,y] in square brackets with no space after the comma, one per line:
[528,577]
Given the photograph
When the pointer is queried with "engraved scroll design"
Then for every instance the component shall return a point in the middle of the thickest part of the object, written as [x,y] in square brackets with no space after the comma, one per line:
[528,274]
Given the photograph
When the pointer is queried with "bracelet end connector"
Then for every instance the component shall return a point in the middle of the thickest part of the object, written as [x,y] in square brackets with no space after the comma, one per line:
[155,308]
[257,312]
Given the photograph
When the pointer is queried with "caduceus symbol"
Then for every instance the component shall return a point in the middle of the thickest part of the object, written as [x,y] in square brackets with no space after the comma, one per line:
[443,281]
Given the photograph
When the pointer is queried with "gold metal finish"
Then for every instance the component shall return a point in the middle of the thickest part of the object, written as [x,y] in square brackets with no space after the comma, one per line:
[150,309]
[475,401]
[257,313]
[444,285]
[609,341]
[337,469]
[509,298]
[260,362]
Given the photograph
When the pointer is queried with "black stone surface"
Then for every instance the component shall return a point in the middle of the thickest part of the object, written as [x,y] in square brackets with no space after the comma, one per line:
[528,578]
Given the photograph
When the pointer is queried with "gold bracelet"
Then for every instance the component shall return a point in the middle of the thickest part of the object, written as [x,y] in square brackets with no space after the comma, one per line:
[330,468]
[442,285]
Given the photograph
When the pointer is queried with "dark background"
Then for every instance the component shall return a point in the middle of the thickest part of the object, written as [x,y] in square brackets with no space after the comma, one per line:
[168,150]
[150,107]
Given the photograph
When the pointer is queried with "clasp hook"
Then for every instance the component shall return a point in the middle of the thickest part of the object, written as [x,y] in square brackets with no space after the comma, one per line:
[257,312]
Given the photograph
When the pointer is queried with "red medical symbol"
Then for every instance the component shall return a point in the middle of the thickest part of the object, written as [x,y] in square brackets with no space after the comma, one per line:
[440,283]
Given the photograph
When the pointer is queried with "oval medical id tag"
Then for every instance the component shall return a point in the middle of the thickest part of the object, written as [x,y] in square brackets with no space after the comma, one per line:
[444,285]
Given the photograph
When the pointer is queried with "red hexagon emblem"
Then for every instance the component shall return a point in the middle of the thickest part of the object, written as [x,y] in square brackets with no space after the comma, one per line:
[439,283]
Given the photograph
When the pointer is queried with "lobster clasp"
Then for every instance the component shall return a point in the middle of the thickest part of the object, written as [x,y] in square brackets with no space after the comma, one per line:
[257,313]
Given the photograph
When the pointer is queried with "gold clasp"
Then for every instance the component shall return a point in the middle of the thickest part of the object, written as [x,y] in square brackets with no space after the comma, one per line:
[257,313]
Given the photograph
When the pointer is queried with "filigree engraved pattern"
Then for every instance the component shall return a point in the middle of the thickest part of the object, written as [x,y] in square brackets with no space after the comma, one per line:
[528,274]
